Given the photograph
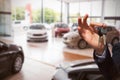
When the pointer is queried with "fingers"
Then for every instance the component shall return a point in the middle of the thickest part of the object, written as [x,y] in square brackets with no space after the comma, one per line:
[79,28]
[95,24]
[85,19]
[79,31]
[79,21]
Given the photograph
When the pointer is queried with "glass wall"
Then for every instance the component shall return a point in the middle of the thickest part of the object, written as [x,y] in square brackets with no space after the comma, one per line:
[92,8]
[52,11]
[112,11]
[96,10]
[46,11]
[5,18]
[74,12]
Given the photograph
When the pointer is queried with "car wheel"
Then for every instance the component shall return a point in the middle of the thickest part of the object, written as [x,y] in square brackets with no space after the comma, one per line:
[17,63]
[114,41]
[82,44]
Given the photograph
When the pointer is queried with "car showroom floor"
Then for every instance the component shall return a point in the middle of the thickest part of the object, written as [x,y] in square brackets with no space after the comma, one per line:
[41,58]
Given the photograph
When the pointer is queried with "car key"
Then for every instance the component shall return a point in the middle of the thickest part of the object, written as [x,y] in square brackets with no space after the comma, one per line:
[102,35]
[100,31]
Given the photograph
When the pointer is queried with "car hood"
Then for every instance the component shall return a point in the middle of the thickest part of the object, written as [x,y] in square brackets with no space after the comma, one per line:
[66,70]
[13,47]
[82,64]
[37,31]
[62,29]
[71,34]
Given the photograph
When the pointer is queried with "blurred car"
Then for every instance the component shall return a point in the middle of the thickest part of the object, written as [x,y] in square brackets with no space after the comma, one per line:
[37,32]
[21,24]
[112,35]
[60,29]
[11,59]
[72,39]
[74,27]
[78,70]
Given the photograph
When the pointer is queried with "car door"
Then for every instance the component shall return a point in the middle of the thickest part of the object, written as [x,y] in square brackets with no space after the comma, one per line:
[4,62]
[91,75]
[109,35]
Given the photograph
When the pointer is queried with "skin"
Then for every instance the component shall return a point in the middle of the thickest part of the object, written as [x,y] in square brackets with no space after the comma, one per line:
[90,35]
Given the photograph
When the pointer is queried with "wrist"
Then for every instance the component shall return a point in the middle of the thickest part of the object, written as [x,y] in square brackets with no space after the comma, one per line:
[101,46]
[100,50]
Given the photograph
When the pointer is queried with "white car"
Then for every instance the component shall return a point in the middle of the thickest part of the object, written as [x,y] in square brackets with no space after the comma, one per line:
[37,32]
[73,39]
[20,24]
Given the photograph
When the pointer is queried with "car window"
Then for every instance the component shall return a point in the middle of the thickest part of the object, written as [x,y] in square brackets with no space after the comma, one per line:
[64,25]
[75,24]
[58,25]
[1,45]
[17,22]
[37,27]
[61,25]
[93,77]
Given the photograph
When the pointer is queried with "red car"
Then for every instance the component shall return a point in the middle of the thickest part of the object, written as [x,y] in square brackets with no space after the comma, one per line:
[60,29]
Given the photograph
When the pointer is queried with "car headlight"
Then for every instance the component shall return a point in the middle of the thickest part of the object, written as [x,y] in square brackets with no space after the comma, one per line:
[45,33]
[20,48]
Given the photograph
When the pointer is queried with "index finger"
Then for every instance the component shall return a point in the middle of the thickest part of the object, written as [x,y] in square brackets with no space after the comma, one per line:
[95,24]
[79,21]
[85,18]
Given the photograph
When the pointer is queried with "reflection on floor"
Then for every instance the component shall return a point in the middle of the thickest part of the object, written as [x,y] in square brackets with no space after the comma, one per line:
[41,58]
[33,70]
[72,57]
[53,52]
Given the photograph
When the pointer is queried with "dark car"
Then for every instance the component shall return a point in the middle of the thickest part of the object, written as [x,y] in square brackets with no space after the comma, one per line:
[112,35]
[11,59]
[80,70]
[60,29]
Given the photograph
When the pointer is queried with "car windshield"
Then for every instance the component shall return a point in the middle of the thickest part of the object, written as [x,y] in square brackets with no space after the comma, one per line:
[17,22]
[2,43]
[75,25]
[37,27]
[61,25]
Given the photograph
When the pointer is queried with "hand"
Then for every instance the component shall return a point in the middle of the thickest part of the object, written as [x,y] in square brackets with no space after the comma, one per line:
[89,33]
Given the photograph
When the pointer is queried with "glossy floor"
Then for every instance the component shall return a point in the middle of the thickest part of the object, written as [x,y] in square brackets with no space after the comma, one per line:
[41,58]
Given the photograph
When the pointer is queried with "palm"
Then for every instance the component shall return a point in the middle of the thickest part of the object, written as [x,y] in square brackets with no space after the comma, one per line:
[89,35]
[88,32]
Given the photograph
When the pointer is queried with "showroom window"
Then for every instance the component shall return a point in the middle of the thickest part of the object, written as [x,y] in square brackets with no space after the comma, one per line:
[81,8]
[52,11]
[5,18]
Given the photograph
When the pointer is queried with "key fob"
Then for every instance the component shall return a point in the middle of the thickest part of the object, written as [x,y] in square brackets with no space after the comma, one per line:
[100,31]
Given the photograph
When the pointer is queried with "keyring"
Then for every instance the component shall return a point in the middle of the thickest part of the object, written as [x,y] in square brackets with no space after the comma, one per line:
[103,25]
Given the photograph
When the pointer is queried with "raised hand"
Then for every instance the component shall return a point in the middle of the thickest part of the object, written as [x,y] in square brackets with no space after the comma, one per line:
[89,33]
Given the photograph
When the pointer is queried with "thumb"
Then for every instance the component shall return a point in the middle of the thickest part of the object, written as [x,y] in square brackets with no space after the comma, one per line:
[79,28]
